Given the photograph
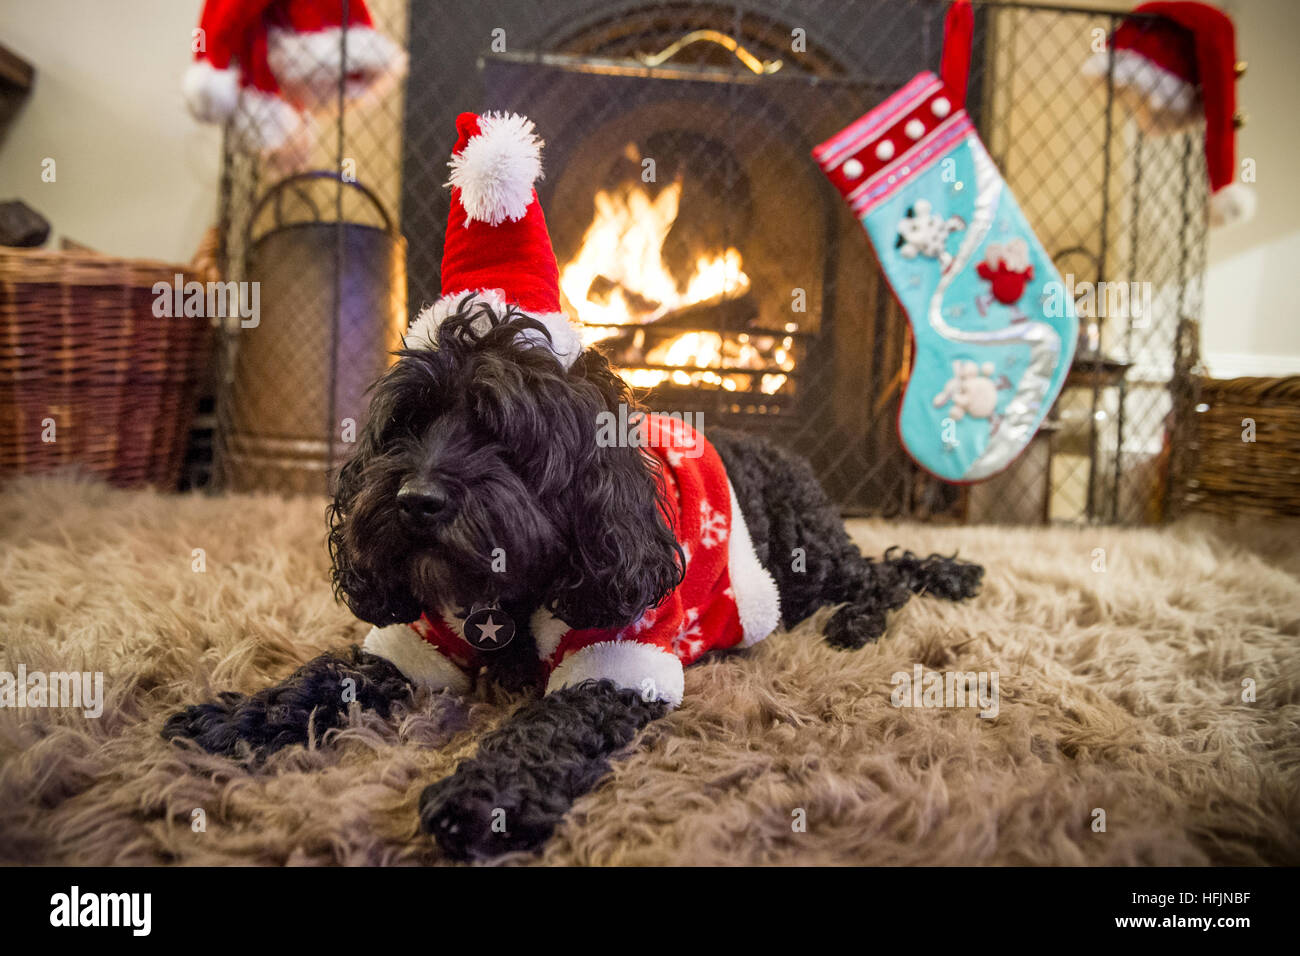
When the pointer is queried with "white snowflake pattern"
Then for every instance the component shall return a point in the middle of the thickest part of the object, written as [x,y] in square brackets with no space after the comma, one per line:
[686,552]
[713,526]
[642,624]
[674,458]
[689,643]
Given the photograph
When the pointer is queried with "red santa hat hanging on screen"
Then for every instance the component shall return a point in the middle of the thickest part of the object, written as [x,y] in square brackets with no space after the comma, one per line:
[1176,62]
[266,64]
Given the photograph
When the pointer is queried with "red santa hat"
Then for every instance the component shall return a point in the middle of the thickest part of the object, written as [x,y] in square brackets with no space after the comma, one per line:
[1191,48]
[266,62]
[497,246]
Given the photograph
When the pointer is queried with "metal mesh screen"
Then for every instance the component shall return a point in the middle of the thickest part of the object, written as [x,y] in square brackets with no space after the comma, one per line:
[1114,199]
[314,225]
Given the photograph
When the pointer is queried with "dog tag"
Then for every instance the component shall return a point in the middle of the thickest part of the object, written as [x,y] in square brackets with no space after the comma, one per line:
[489,628]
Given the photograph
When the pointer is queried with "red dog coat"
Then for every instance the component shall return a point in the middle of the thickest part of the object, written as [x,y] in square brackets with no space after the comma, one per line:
[726,599]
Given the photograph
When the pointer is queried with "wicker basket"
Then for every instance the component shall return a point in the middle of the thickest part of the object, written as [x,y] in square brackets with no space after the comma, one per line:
[89,376]
[1234,475]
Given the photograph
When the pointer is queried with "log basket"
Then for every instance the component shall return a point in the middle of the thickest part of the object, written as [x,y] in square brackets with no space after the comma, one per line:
[90,378]
[1248,447]
[333,309]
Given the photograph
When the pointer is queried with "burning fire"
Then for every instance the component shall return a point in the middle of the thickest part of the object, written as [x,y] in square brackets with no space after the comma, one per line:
[621,251]
[618,283]
[704,350]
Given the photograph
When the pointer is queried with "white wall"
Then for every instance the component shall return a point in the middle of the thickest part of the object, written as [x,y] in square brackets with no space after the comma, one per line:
[1251,319]
[135,175]
[1252,310]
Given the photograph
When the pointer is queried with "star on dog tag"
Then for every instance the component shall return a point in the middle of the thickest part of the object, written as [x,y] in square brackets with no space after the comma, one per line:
[489,628]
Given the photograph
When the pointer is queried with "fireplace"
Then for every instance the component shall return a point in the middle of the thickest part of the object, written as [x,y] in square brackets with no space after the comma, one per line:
[698,244]
[725,276]
[682,278]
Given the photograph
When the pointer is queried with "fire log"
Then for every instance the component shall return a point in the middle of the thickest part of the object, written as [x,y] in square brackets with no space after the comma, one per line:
[602,290]
[713,315]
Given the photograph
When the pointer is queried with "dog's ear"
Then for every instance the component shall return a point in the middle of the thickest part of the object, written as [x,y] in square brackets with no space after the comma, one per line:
[622,557]
[363,489]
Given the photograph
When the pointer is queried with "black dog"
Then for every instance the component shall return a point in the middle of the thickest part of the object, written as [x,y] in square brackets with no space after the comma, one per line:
[486,445]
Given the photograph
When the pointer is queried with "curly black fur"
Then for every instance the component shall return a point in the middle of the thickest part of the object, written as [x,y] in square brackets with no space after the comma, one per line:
[310,701]
[496,421]
[801,539]
[527,774]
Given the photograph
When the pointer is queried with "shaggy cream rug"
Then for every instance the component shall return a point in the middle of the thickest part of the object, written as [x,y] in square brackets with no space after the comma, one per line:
[1125,729]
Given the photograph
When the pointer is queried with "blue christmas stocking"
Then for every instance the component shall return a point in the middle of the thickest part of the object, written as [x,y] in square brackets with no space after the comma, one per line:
[993,330]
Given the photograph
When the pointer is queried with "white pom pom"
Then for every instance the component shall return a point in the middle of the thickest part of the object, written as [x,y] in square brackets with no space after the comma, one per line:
[1233,203]
[496,170]
[211,94]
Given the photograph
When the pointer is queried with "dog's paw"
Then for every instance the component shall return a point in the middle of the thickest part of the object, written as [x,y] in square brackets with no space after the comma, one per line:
[240,726]
[311,701]
[954,580]
[472,817]
[511,796]
[215,725]
[936,575]
[855,625]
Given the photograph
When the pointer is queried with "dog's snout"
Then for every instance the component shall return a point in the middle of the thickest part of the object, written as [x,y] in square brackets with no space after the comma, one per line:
[421,500]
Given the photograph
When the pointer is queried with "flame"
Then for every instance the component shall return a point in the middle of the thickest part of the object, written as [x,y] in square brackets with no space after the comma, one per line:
[623,245]
[619,278]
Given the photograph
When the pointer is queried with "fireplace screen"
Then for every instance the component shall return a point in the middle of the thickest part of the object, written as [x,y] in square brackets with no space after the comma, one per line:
[691,246]
[704,252]
[699,246]
[657,281]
